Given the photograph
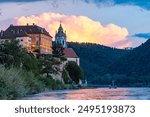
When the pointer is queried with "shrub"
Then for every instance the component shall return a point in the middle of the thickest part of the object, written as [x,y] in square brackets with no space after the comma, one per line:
[62,58]
[50,83]
[74,71]
[11,84]
[46,81]
[16,83]
[32,83]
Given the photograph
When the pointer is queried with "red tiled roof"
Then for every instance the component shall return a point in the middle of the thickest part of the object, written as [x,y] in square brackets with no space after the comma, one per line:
[70,53]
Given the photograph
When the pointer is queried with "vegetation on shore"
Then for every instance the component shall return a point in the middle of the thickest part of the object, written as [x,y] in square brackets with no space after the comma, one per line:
[21,73]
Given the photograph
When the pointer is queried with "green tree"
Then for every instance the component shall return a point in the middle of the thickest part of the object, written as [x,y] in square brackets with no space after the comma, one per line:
[29,62]
[66,77]
[57,50]
[47,65]
[75,71]
[12,54]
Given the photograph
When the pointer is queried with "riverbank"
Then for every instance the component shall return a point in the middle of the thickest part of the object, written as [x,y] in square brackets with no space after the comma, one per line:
[65,90]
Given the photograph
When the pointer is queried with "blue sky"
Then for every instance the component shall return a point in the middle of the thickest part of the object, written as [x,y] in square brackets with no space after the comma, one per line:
[134,15]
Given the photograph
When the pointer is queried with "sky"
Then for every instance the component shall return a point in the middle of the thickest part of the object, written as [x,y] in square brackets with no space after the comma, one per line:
[114,23]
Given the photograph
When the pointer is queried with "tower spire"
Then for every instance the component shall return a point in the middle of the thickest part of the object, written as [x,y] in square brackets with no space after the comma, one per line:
[60,23]
[60,36]
[60,29]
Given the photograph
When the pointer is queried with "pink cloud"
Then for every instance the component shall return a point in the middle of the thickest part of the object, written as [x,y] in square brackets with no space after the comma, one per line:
[80,29]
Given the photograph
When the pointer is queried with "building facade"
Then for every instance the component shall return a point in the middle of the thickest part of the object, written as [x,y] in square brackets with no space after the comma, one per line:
[30,37]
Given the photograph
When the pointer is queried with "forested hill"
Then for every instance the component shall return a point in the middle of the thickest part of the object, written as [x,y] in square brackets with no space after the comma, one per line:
[94,58]
[102,64]
[136,63]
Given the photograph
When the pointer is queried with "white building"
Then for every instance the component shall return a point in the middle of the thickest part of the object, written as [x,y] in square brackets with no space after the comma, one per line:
[31,37]
[70,54]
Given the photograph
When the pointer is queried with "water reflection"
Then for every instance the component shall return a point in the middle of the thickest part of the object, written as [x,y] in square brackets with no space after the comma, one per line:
[96,94]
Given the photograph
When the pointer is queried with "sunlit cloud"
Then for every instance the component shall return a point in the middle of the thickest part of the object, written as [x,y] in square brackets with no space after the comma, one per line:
[80,29]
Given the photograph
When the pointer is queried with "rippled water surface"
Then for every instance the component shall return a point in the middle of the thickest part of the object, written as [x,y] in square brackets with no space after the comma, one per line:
[95,94]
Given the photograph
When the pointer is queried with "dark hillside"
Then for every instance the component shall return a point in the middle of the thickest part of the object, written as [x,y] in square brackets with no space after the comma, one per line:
[94,58]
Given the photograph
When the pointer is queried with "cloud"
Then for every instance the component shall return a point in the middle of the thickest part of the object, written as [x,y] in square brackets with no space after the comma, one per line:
[80,29]
[142,35]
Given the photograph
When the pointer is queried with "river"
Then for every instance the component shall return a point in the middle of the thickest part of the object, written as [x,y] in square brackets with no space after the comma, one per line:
[94,94]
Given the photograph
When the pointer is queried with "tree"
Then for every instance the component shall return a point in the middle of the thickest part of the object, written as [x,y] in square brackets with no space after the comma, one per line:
[66,77]
[47,65]
[57,49]
[10,53]
[29,62]
[75,71]
[3,56]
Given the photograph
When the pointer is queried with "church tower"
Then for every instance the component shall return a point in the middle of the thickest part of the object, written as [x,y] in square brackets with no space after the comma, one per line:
[60,37]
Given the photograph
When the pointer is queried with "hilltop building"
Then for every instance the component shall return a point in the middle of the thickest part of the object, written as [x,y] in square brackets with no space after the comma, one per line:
[60,37]
[69,53]
[30,37]
[33,37]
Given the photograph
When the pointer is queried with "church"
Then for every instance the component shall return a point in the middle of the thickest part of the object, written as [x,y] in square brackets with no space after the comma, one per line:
[69,53]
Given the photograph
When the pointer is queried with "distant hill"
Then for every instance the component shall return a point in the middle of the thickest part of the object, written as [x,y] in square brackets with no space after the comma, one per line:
[136,63]
[94,58]
[103,64]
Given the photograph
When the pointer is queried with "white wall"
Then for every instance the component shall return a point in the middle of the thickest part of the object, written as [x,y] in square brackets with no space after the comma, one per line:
[25,42]
[77,60]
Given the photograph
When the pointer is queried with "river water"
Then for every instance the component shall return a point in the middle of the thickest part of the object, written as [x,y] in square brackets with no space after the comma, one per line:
[95,94]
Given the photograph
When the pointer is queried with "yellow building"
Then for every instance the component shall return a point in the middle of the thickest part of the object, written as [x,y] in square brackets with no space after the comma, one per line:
[31,37]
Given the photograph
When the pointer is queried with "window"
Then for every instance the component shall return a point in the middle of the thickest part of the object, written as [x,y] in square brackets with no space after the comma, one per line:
[37,43]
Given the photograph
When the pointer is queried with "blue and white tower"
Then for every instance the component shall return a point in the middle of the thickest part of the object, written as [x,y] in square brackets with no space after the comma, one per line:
[60,37]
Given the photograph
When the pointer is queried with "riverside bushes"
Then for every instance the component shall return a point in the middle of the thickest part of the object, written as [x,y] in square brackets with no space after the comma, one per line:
[12,85]
[16,83]
[50,83]
[33,84]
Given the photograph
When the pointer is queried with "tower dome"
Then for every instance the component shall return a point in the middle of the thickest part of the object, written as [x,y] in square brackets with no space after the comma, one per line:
[60,37]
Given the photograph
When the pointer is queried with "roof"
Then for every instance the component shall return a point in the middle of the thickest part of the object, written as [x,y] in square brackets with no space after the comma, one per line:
[21,31]
[70,53]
